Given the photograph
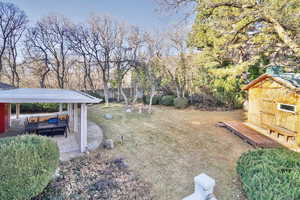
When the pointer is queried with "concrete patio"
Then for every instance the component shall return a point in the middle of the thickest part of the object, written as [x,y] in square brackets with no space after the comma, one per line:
[69,146]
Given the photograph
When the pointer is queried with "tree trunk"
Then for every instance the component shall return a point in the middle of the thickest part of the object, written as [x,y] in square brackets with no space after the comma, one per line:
[177,92]
[151,97]
[105,90]
[118,94]
[135,94]
[124,95]
[283,35]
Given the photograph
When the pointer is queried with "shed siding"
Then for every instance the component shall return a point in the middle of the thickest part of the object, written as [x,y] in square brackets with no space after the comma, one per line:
[263,100]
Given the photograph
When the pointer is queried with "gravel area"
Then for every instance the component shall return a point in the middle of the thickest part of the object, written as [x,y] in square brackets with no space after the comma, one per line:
[95,176]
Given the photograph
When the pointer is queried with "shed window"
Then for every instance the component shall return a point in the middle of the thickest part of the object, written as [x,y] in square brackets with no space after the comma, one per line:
[287,107]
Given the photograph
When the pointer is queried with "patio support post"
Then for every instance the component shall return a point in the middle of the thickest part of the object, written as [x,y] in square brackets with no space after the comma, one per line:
[60,108]
[70,113]
[83,127]
[9,110]
[75,128]
[17,111]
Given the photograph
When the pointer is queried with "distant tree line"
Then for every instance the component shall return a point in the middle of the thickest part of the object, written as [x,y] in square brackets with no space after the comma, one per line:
[229,44]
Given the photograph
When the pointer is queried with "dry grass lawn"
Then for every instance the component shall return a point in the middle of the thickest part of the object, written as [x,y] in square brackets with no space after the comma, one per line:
[170,147]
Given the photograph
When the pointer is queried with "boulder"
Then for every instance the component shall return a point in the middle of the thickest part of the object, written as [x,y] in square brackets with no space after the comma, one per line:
[109,144]
[108,116]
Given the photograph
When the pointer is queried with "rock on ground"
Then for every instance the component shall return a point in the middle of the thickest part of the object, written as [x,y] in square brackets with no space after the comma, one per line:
[108,116]
[109,144]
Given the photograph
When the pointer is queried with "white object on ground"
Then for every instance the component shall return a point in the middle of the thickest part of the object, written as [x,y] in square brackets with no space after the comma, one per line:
[108,116]
[109,144]
[204,188]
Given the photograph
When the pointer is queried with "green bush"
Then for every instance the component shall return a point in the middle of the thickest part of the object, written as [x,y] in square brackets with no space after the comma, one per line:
[270,174]
[155,100]
[27,165]
[181,102]
[37,107]
[228,91]
[167,100]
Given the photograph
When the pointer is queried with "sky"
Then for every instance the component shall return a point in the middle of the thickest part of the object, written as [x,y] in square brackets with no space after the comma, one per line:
[136,12]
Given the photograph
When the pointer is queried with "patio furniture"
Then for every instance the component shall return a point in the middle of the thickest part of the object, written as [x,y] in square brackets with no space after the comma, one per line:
[48,125]
[51,129]
[30,127]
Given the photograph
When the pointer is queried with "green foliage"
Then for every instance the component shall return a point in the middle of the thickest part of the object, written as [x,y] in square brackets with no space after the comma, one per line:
[37,107]
[270,174]
[155,100]
[228,91]
[235,37]
[181,102]
[167,100]
[27,165]
[226,26]
[258,68]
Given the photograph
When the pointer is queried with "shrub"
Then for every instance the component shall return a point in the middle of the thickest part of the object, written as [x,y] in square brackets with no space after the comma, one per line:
[181,102]
[167,100]
[27,165]
[37,107]
[155,100]
[270,174]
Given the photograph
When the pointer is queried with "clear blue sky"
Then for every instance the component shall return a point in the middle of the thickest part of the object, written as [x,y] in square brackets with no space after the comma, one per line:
[136,12]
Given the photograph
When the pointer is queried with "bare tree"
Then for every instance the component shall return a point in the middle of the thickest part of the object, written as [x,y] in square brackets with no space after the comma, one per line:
[126,55]
[79,40]
[36,53]
[54,40]
[152,63]
[12,54]
[177,66]
[12,22]
[100,44]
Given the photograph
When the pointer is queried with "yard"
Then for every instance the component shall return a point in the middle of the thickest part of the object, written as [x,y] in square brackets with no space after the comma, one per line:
[168,148]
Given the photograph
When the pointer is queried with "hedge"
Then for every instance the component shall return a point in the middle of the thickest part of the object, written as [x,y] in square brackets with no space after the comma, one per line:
[181,102]
[37,107]
[155,100]
[27,165]
[167,100]
[270,174]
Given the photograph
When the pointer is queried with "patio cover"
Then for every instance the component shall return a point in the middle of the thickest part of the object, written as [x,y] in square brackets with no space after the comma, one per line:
[42,95]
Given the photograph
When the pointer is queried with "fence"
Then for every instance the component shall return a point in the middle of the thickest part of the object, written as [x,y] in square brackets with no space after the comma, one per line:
[115,94]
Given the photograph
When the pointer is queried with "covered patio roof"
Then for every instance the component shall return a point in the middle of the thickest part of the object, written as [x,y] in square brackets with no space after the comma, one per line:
[43,95]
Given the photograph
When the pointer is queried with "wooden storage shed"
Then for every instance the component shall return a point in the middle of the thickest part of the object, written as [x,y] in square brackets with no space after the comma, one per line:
[274,106]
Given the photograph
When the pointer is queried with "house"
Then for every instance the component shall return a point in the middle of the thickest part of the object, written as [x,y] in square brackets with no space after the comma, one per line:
[4,110]
[274,106]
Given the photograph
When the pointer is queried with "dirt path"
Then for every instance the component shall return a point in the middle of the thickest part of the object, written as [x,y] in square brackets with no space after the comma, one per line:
[172,146]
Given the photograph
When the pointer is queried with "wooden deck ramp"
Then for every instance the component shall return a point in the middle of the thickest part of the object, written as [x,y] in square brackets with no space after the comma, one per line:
[248,134]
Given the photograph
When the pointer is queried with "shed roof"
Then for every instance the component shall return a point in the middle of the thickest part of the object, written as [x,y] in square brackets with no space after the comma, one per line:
[42,95]
[289,80]
[5,86]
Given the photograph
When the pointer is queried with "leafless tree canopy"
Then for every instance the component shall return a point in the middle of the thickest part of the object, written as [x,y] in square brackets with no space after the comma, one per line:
[12,22]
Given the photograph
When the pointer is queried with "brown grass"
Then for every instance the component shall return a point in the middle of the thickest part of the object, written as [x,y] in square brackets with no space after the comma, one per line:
[170,147]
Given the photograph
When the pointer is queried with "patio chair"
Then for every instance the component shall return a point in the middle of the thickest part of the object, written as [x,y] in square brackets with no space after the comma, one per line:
[65,118]
[30,127]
